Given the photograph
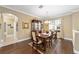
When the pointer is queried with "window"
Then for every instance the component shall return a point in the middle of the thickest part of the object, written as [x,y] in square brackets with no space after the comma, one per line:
[55,24]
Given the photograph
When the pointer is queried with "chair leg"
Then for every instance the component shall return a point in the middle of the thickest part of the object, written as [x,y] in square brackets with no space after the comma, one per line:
[50,43]
[43,45]
[33,44]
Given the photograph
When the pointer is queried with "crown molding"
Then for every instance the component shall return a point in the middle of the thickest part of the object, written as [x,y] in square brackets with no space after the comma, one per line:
[53,17]
[19,11]
[67,13]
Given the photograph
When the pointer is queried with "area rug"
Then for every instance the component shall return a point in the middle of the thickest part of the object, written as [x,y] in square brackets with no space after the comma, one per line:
[30,44]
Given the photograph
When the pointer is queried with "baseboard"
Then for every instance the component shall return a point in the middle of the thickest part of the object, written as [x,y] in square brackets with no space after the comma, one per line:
[23,39]
[68,38]
[76,52]
[16,41]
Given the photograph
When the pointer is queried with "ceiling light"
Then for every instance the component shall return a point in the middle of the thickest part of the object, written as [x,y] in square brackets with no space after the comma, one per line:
[46,21]
[41,6]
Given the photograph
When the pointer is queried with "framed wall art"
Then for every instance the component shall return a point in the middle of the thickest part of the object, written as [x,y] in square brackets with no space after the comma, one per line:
[25,25]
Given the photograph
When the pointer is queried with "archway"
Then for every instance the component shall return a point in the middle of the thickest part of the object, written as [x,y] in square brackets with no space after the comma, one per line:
[10,28]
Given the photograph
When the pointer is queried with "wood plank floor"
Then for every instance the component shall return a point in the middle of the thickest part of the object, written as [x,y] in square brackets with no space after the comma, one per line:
[59,47]
[18,48]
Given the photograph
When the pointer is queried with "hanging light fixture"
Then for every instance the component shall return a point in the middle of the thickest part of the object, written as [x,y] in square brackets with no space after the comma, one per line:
[46,13]
[47,17]
[41,6]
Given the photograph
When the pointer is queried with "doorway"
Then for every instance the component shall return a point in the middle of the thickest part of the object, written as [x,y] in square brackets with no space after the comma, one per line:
[9,22]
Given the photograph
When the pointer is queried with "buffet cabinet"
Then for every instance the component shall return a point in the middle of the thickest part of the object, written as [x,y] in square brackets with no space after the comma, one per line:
[36,25]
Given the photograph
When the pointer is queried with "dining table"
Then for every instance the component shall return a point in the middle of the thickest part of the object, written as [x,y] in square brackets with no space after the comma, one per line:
[44,37]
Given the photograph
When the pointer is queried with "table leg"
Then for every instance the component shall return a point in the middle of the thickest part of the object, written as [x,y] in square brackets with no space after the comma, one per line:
[44,45]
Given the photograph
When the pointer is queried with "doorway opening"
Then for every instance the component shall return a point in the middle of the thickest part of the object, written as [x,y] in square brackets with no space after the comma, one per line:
[9,28]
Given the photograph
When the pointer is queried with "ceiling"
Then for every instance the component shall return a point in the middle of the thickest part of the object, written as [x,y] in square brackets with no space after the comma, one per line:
[46,10]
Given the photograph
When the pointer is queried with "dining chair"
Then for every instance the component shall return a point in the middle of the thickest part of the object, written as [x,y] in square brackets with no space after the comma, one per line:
[55,35]
[36,40]
[49,39]
[53,38]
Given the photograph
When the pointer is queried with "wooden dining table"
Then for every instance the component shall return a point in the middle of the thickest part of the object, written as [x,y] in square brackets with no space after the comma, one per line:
[44,37]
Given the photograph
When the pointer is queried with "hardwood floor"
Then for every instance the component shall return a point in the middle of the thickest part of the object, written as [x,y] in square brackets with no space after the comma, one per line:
[61,47]
[18,48]
[58,47]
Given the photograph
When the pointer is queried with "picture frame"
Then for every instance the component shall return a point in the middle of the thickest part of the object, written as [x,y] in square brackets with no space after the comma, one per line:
[25,25]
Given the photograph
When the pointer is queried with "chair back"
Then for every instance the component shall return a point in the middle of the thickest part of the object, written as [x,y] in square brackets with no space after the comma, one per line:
[55,35]
[51,34]
[34,36]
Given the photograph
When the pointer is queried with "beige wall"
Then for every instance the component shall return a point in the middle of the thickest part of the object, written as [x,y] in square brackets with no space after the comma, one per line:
[22,33]
[70,23]
[67,26]
[75,21]
[1,31]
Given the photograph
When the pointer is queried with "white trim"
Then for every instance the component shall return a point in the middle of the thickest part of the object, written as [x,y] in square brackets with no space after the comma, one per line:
[23,39]
[1,42]
[57,16]
[2,45]
[15,32]
[76,31]
[68,13]
[75,51]
[19,11]
[68,38]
